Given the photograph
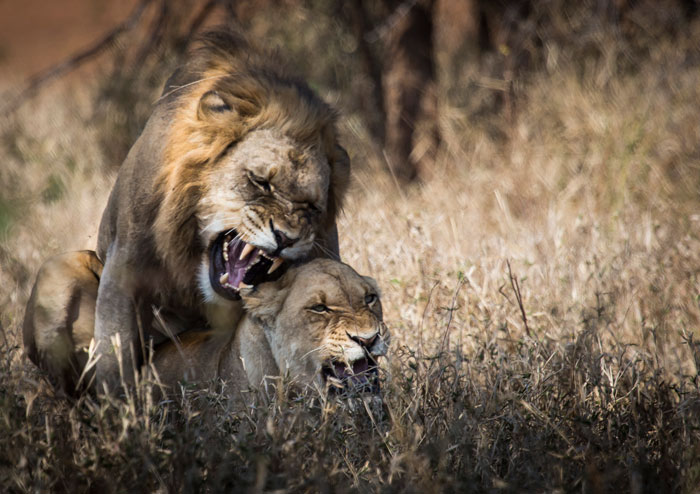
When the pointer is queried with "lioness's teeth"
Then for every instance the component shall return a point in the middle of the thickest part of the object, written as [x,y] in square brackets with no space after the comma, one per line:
[335,382]
[244,285]
[225,251]
[275,264]
[224,279]
[246,250]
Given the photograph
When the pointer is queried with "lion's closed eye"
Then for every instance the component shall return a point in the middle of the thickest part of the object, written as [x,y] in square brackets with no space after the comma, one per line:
[260,182]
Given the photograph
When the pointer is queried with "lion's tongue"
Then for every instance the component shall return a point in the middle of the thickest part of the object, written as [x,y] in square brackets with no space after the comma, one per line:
[236,267]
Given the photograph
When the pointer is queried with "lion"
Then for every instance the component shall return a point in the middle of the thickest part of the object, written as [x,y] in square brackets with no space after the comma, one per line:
[237,172]
[320,324]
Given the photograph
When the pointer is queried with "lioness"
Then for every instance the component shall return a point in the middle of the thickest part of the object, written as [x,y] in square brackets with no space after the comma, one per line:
[237,170]
[321,323]
[60,318]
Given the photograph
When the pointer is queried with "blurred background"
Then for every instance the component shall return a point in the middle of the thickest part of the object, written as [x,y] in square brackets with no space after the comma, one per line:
[510,119]
[404,69]
[560,137]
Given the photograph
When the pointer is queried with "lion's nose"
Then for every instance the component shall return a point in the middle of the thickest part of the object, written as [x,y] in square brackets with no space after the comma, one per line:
[283,241]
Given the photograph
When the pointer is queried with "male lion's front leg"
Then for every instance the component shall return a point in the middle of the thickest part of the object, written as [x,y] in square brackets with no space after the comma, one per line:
[116,328]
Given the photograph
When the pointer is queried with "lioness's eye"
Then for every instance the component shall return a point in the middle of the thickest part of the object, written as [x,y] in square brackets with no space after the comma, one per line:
[370,298]
[261,183]
[319,308]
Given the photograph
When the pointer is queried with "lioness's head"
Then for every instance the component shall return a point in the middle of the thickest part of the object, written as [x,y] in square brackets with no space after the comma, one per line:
[254,173]
[323,322]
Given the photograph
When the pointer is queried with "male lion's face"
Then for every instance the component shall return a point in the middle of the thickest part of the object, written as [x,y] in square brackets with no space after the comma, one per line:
[323,322]
[266,201]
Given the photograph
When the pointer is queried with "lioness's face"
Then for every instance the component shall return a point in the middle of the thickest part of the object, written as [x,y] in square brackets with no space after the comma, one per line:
[324,324]
[266,202]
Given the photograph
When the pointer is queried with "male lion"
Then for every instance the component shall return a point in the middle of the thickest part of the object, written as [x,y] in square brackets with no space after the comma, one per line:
[320,323]
[237,170]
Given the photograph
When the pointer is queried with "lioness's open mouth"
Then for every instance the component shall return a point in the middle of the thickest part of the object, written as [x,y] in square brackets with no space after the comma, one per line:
[362,375]
[234,264]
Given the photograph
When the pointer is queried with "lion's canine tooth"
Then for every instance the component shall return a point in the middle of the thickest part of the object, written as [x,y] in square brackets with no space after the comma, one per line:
[275,264]
[224,279]
[246,250]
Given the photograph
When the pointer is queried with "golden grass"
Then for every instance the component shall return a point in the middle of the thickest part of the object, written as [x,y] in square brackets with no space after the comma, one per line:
[593,200]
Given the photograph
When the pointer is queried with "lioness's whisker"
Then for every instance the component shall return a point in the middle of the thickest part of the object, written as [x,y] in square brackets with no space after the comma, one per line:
[326,251]
[317,349]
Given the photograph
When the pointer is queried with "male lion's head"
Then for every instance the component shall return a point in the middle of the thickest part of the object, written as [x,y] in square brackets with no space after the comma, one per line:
[323,322]
[254,174]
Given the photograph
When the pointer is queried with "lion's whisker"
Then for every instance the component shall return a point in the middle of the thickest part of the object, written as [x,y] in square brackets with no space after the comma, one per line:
[213,225]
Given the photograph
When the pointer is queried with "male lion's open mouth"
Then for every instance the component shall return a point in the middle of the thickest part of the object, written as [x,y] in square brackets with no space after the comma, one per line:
[234,264]
[361,376]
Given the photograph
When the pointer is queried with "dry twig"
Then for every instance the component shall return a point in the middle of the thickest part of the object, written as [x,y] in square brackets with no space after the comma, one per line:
[515,285]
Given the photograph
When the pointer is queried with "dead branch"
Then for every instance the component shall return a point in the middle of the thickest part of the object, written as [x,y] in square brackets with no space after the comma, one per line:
[156,34]
[42,78]
[391,21]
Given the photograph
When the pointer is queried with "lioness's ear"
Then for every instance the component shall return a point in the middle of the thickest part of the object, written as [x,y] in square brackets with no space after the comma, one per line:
[373,283]
[264,301]
[211,103]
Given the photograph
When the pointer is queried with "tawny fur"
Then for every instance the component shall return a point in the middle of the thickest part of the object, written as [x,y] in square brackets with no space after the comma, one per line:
[187,178]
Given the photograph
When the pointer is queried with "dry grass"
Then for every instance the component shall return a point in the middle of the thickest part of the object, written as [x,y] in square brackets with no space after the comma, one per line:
[591,386]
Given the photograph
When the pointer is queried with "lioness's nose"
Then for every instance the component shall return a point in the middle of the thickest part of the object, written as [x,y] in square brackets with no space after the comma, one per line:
[365,342]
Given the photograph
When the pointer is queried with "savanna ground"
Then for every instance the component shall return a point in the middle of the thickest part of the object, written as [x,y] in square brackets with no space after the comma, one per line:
[574,369]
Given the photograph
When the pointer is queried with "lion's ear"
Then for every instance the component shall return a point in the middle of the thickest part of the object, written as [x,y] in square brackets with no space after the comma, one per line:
[211,103]
[263,302]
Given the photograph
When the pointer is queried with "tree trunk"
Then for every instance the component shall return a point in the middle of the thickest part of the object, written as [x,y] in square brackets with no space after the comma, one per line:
[409,93]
